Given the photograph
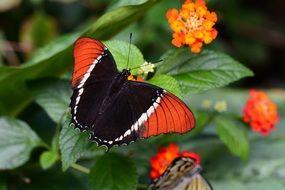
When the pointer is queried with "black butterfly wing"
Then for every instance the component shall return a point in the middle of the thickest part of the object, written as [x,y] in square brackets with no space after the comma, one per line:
[94,70]
[140,110]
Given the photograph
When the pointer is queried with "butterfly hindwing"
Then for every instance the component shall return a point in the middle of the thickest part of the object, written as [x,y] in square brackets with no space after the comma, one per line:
[141,110]
[160,111]
[195,182]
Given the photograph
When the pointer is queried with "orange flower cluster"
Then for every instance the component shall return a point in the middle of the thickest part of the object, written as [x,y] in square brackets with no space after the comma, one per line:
[165,156]
[135,78]
[192,25]
[260,112]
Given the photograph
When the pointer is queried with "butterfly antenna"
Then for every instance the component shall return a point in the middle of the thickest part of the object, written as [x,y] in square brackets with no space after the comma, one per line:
[147,64]
[129,50]
[157,61]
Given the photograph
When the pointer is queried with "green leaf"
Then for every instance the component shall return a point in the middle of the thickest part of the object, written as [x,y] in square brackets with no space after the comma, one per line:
[113,171]
[118,19]
[17,140]
[48,159]
[52,95]
[120,52]
[233,137]
[50,61]
[72,143]
[126,2]
[199,72]
[167,82]
[55,58]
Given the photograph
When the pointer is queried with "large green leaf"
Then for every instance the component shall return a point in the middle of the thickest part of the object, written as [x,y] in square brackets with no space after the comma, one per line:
[113,171]
[167,82]
[117,19]
[120,52]
[55,58]
[17,140]
[198,72]
[52,95]
[233,137]
[72,143]
[121,3]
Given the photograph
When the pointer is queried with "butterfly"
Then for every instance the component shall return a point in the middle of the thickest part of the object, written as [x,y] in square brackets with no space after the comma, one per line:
[116,110]
[182,174]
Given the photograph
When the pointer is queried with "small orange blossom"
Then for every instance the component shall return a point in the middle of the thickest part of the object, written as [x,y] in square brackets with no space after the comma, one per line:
[192,25]
[165,156]
[260,112]
[135,78]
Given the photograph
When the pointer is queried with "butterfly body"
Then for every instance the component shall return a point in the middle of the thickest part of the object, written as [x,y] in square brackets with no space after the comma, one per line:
[116,110]
[117,86]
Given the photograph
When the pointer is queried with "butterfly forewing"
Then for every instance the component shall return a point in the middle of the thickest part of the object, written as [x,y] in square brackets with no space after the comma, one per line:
[93,61]
[141,110]
[94,70]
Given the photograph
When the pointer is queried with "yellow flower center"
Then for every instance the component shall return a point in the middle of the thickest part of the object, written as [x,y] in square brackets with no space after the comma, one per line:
[194,22]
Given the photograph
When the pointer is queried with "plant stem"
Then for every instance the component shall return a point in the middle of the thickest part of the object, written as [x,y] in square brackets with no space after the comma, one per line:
[45,145]
[55,140]
[80,168]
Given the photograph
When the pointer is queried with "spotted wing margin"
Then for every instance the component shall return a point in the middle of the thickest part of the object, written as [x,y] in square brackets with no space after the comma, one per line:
[87,53]
[141,110]
[94,71]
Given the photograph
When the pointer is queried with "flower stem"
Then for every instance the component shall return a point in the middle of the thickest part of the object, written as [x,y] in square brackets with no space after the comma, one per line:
[80,168]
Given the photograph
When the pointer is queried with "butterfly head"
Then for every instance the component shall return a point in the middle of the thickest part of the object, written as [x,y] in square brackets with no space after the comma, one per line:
[125,73]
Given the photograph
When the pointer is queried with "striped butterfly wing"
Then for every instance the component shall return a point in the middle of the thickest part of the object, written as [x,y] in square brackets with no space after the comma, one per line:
[159,111]
[94,70]
[195,182]
[182,174]
[141,110]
